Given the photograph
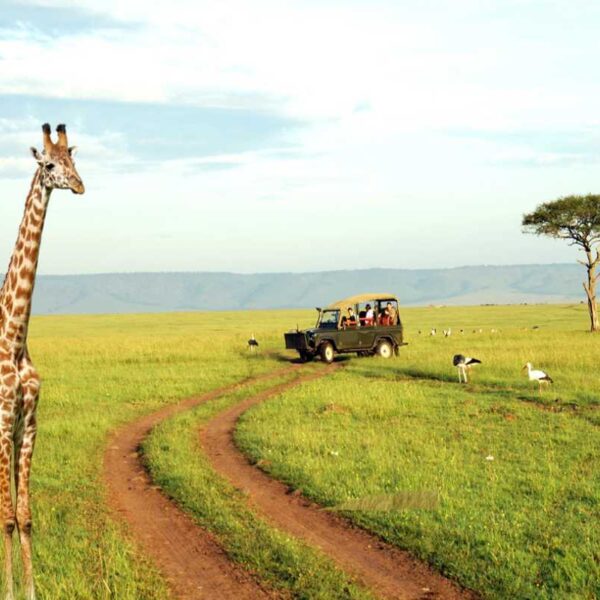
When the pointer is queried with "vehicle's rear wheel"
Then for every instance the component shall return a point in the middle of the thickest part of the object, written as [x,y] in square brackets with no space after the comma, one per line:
[326,352]
[384,349]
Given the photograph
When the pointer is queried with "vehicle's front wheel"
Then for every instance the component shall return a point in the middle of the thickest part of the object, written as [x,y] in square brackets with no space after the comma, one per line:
[384,349]
[306,356]
[326,352]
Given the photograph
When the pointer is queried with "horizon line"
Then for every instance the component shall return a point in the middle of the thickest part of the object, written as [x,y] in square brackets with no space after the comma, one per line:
[221,272]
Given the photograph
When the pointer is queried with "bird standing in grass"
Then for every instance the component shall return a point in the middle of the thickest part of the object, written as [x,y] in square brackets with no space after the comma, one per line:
[252,343]
[463,364]
[537,375]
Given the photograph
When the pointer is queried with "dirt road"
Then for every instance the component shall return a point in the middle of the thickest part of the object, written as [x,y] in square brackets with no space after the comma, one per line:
[388,571]
[192,561]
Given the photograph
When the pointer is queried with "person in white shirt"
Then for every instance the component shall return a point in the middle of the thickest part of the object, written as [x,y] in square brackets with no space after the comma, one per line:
[369,315]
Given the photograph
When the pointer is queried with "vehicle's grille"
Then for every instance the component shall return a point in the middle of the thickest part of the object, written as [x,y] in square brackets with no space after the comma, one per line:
[295,341]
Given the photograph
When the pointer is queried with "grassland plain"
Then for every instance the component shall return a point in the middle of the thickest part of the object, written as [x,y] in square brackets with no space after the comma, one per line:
[99,372]
[516,472]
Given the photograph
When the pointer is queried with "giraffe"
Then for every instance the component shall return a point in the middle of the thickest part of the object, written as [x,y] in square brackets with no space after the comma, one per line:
[19,381]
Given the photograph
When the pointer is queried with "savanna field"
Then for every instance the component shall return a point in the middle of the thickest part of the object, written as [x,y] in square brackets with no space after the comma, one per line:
[513,473]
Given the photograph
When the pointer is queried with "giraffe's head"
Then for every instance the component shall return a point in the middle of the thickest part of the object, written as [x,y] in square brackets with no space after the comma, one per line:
[56,162]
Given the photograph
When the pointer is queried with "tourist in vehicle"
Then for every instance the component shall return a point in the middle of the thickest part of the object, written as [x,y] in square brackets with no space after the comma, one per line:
[392,314]
[388,315]
[362,315]
[351,321]
[369,315]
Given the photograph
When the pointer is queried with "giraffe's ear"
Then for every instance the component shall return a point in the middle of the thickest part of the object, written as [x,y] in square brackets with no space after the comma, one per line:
[38,157]
[73,150]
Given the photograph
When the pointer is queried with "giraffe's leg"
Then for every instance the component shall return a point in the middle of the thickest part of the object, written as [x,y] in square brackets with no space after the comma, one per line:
[24,445]
[9,397]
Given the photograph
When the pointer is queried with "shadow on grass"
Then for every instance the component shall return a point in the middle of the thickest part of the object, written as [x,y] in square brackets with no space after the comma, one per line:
[287,359]
[404,375]
[546,402]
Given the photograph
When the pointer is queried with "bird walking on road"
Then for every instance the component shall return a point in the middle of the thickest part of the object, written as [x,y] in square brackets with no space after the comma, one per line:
[252,343]
[463,364]
[537,375]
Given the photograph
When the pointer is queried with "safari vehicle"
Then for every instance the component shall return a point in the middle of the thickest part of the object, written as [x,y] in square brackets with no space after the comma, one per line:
[377,331]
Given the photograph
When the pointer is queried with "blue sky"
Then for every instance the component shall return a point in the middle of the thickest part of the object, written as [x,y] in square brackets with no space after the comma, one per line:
[299,136]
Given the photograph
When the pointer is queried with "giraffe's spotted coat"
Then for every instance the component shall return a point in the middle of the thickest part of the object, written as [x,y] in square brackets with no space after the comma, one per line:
[19,380]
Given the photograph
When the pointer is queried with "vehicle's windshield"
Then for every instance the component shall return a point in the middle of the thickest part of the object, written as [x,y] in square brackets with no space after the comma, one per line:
[329,319]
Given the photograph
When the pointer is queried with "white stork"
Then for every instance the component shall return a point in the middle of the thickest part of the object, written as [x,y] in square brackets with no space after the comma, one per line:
[463,363]
[252,343]
[537,375]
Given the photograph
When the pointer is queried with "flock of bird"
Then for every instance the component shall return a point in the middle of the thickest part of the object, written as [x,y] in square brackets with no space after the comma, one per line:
[463,363]
[448,332]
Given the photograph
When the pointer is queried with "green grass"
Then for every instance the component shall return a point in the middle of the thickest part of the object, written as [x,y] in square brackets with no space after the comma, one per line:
[523,525]
[179,466]
[102,371]
[99,372]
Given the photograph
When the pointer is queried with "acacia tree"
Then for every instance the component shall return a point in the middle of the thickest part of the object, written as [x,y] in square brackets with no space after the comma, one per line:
[574,218]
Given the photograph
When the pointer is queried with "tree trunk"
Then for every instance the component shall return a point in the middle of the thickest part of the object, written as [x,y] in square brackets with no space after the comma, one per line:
[590,290]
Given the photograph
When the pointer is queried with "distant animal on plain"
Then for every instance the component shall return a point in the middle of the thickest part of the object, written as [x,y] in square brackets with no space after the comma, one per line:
[537,375]
[252,343]
[462,331]
[463,364]
[433,331]
[447,332]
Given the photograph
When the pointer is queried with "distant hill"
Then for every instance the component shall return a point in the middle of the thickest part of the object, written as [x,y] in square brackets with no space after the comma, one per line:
[159,292]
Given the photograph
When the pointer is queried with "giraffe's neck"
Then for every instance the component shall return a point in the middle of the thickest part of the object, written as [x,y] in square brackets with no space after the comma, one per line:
[17,291]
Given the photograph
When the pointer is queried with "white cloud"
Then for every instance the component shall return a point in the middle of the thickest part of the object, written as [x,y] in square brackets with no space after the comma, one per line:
[316,61]
[376,86]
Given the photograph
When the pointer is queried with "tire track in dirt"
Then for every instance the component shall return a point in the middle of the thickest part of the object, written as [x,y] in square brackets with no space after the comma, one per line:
[191,560]
[387,570]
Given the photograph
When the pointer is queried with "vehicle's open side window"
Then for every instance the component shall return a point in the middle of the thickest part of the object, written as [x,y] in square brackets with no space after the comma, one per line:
[387,312]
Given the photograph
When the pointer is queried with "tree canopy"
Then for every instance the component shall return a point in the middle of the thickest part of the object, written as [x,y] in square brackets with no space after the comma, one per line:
[575,218]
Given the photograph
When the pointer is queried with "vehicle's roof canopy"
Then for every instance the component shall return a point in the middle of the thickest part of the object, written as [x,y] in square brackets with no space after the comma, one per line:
[360,299]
